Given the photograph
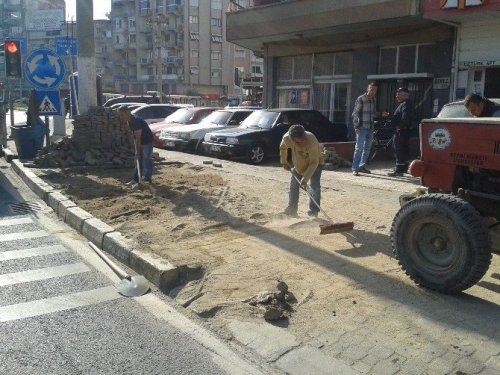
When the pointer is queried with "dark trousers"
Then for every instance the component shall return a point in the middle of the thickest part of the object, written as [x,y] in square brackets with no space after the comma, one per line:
[401,147]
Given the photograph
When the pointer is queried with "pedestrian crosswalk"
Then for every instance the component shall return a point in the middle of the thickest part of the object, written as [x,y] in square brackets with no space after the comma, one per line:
[33,242]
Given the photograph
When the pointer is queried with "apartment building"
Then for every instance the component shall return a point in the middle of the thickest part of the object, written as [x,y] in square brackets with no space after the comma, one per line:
[177,47]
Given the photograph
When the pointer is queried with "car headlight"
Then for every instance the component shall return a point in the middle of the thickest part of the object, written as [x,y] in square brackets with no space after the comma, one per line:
[207,137]
[232,140]
[185,136]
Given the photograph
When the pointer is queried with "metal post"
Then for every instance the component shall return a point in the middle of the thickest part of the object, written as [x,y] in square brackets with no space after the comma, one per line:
[47,131]
[11,103]
[3,126]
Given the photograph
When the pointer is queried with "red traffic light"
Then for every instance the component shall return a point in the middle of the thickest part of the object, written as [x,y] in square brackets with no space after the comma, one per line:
[11,47]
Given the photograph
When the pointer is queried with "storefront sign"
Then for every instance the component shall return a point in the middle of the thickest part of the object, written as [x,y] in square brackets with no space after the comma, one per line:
[479,63]
[43,20]
[460,4]
[441,83]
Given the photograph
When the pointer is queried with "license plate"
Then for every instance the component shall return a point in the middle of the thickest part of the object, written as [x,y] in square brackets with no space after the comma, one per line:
[169,144]
[215,148]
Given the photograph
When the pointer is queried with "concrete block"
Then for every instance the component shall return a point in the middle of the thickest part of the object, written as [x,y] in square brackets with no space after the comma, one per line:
[62,208]
[154,268]
[41,189]
[94,230]
[54,198]
[75,217]
[117,245]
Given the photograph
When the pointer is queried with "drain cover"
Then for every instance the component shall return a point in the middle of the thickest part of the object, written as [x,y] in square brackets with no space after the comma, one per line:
[24,207]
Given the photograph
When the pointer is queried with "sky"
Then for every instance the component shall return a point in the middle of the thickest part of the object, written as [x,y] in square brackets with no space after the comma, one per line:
[101,7]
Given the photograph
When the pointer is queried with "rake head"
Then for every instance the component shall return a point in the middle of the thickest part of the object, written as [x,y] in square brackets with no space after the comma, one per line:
[336,228]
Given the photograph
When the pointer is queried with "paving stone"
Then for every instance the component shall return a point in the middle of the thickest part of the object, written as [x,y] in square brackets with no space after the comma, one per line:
[307,360]
[494,362]
[362,367]
[381,352]
[440,366]
[490,371]
[371,360]
[469,366]
[386,367]
[355,353]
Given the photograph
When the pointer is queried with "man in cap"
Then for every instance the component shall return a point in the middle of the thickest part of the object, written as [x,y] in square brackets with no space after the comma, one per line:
[143,145]
[402,121]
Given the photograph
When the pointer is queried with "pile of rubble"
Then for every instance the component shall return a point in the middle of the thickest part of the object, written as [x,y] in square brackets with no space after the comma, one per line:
[277,305]
[98,139]
[333,160]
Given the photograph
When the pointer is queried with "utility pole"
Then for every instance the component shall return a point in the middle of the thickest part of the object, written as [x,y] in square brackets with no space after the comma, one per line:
[87,92]
[156,40]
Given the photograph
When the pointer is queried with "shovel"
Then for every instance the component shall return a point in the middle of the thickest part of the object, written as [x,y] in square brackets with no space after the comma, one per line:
[328,228]
[128,286]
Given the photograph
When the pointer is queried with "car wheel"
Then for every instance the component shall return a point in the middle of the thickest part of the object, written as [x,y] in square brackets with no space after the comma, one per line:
[198,148]
[255,154]
[441,242]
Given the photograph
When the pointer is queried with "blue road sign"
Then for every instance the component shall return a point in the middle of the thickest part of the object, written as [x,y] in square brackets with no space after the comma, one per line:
[48,102]
[44,69]
[66,46]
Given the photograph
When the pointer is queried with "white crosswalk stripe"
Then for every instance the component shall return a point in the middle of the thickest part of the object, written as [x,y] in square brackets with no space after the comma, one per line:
[32,252]
[42,274]
[59,303]
[23,235]
[15,221]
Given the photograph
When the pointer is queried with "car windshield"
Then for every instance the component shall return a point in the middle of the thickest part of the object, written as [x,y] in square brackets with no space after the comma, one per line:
[217,117]
[454,110]
[181,116]
[260,119]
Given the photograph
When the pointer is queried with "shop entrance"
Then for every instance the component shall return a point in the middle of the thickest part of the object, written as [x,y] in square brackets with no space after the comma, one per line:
[332,100]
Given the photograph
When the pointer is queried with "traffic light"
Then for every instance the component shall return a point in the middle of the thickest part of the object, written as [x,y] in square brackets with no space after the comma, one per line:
[12,49]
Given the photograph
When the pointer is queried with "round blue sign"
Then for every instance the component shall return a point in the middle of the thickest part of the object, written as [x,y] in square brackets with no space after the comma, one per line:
[44,69]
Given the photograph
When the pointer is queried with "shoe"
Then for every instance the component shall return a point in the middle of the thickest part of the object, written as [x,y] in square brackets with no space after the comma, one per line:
[355,173]
[134,186]
[395,174]
[131,182]
[363,169]
[312,213]
[290,212]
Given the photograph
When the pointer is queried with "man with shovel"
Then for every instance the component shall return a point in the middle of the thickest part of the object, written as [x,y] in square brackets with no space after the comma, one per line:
[307,165]
[143,145]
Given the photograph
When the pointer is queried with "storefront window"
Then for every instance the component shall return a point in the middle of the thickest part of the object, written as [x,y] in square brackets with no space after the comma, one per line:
[343,63]
[406,59]
[388,58]
[323,64]
[302,67]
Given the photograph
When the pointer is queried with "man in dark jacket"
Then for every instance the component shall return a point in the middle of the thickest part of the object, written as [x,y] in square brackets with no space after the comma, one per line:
[143,145]
[480,106]
[402,122]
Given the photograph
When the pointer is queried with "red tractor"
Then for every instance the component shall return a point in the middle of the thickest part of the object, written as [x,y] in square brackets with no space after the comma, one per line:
[444,236]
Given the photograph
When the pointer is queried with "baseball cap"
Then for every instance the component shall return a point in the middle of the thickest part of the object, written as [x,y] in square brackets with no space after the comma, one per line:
[403,89]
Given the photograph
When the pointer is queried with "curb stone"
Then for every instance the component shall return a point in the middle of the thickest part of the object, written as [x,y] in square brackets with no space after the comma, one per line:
[157,270]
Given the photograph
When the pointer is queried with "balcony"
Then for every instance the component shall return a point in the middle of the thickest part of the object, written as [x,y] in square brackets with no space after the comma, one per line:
[316,23]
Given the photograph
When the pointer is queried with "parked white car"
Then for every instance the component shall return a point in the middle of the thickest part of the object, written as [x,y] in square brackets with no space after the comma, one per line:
[155,112]
[189,138]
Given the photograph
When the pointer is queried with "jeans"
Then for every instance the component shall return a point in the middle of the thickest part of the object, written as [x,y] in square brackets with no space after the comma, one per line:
[364,142]
[146,163]
[315,191]
[401,148]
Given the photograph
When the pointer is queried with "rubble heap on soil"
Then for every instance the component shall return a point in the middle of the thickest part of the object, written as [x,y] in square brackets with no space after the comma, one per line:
[97,139]
[277,304]
[333,160]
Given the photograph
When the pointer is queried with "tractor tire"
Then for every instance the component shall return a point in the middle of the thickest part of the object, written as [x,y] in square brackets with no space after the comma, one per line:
[255,154]
[441,242]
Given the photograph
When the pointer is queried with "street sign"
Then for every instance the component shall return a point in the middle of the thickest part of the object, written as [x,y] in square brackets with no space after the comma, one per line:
[44,69]
[49,103]
[66,46]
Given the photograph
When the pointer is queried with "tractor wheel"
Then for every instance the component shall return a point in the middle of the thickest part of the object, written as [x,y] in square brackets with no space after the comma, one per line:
[441,242]
[255,154]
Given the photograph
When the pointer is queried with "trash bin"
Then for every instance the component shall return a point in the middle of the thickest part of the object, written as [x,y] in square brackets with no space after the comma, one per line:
[28,139]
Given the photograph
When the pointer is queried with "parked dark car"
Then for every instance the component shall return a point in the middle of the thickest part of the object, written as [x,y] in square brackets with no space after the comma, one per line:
[260,134]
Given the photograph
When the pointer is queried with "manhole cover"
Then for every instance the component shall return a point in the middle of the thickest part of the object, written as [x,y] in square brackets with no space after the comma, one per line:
[24,207]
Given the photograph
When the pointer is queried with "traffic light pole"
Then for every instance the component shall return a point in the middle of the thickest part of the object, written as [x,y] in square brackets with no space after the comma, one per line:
[11,103]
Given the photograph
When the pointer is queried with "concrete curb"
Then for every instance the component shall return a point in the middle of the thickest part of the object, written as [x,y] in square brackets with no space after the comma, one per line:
[157,270]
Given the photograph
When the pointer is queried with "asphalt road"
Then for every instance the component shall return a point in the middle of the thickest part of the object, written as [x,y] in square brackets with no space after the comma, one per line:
[60,312]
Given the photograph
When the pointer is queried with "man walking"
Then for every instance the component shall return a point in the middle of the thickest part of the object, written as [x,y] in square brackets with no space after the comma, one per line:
[143,145]
[401,123]
[307,162]
[363,117]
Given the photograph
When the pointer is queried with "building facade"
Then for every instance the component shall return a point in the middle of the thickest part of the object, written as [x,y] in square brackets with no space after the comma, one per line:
[176,47]
[476,63]
[322,54]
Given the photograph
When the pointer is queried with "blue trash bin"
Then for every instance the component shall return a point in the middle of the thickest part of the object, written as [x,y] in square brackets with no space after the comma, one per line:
[28,139]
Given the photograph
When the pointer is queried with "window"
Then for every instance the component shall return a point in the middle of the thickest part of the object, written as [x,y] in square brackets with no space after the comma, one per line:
[216,73]
[240,54]
[118,24]
[193,19]
[216,55]
[117,39]
[132,38]
[256,69]
[194,36]
[216,22]
[404,59]
[194,70]
[194,53]
[217,4]
[216,38]
[131,23]
[194,3]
